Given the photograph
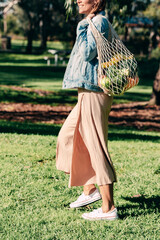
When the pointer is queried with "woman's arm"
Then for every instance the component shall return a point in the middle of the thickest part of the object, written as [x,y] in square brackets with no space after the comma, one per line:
[86,41]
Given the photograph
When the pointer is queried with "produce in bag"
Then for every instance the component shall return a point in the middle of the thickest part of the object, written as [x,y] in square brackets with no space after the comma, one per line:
[117,70]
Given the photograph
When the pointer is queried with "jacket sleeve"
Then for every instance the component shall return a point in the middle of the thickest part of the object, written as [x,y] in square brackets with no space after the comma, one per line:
[85,39]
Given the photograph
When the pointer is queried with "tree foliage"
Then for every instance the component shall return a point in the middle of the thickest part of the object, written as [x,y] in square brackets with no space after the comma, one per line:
[17,22]
[45,18]
[153,10]
[117,10]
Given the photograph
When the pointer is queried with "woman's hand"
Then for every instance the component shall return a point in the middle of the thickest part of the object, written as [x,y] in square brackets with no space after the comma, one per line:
[91,15]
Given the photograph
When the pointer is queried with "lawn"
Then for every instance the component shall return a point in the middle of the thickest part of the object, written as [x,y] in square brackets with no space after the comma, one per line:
[35,196]
[45,78]
[50,79]
[32,71]
[20,45]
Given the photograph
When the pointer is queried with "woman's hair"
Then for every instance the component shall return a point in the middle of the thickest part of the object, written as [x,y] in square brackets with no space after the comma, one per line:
[99,6]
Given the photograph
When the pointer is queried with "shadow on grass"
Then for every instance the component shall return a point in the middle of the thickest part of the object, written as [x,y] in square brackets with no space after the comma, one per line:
[129,96]
[58,97]
[22,61]
[29,128]
[19,75]
[132,136]
[55,98]
[125,133]
[62,96]
[33,69]
[52,129]
[145,206]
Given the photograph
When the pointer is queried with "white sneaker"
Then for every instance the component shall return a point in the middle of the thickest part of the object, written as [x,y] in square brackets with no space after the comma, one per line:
[86,199]
[99,215]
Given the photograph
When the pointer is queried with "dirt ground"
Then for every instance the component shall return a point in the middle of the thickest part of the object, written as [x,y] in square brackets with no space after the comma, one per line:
[137,114]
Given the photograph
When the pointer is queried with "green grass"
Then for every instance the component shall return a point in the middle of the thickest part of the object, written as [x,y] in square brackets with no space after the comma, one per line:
[10,59]
[50,44]
[62,97]
[34,197]
[50,78]
[54,99]
[17,44]
[45,78]
[31,71]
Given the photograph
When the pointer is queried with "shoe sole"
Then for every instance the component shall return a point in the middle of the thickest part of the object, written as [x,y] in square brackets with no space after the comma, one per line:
[102,219]
[86,203]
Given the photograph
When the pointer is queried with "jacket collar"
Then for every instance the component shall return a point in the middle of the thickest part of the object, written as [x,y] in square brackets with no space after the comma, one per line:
[102,13]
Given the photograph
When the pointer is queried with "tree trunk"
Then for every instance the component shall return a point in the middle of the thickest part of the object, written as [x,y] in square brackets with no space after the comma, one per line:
[44,40]
[44,32]
[30,40]
[155,98]
[30,33]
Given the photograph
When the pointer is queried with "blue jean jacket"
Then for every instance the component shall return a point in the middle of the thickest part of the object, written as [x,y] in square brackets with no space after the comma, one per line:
[81,71]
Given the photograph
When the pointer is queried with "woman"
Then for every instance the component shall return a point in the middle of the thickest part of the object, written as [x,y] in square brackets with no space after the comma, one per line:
[82,142]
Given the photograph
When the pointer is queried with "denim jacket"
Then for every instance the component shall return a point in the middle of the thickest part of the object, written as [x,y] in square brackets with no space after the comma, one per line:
[81,71]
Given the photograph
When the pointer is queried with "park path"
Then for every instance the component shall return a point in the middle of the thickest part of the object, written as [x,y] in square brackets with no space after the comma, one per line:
[136,114]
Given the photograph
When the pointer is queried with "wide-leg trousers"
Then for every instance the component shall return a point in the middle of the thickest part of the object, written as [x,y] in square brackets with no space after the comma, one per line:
[82,149]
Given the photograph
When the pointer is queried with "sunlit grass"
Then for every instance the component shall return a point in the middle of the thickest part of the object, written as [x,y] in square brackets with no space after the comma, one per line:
[35,198]
[32,71]
[28,60]
[35,77]
[22,43]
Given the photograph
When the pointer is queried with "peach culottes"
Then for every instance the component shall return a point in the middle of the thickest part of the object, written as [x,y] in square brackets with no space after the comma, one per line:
[82,141]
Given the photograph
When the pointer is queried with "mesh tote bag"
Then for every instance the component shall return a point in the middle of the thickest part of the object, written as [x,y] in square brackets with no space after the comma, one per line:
[117,69]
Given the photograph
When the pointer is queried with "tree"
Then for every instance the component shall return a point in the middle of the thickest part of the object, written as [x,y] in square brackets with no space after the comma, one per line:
[117,10]
[45,18]
[5,6]
[30,9]
[38,13]
[17,22]
[153,11]
[155,98]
